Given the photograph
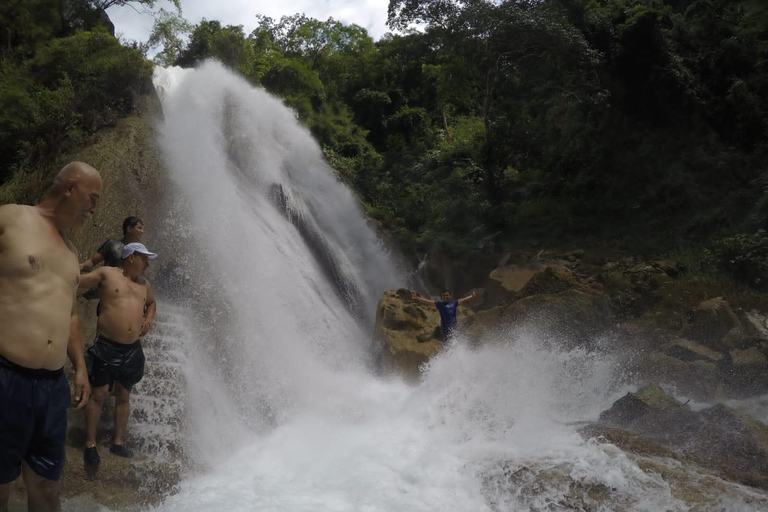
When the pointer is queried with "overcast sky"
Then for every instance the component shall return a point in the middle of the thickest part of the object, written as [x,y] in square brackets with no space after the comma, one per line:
[369,14]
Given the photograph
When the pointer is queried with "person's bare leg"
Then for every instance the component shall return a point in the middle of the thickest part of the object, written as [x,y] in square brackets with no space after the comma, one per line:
[122,411]
[93,414]
[42,494]
[5,495]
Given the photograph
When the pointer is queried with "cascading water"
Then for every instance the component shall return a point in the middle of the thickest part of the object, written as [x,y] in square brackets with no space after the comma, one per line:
[285,413]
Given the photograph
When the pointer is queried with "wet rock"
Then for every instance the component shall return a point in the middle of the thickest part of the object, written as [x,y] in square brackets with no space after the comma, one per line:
[688,351]
[758,323]
[751,359]
[713,324]
[719,438]
[699,379]
[513,278]
[573,316]
[669,267]
[408,332]
[634,406]
[550,280]
[484,323]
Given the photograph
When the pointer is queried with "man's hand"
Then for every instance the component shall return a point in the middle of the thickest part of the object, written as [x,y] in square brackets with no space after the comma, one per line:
[82,389]
[145,327]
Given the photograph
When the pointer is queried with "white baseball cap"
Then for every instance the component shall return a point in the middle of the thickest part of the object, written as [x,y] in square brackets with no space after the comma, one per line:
[131,248]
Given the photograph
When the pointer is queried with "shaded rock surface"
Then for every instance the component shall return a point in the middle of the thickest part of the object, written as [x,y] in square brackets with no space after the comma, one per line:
[132,173]
[408,332]
[643,309]
[726,441]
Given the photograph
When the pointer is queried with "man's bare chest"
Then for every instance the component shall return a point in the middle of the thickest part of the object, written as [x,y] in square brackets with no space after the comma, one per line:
[120,288]
[35,253]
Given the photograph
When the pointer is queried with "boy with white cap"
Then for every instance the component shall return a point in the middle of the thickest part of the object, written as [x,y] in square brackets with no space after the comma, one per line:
[127,310]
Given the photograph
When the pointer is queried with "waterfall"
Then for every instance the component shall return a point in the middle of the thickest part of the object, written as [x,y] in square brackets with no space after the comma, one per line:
[274,261]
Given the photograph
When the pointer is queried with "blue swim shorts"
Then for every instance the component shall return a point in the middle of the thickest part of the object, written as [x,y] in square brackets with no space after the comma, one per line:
[33,420]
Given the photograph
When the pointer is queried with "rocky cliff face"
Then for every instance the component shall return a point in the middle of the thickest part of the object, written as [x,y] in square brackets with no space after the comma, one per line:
[130,165]
[131,169]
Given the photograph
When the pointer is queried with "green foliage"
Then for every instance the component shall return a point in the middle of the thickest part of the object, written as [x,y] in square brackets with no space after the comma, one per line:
[69,88]
[168,33]
[638,120]
[743,256]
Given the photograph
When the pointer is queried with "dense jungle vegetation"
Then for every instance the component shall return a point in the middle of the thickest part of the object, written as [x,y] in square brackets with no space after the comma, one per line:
[638,121]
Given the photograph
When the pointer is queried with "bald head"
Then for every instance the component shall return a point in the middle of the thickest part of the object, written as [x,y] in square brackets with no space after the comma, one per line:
[74,195]
[74,172]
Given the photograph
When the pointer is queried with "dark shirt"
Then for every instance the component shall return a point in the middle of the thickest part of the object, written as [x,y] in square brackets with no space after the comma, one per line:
[111,250]
[447,312]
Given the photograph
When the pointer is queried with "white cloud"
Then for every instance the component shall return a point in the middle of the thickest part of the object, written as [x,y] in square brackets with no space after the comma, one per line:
[369,14]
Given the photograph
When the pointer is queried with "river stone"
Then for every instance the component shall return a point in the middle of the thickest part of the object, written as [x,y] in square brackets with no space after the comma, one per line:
[633,406]
[699,379]
[689,350]
[550,280]
[514,277]
[574,317]
[751,358]
[714,325]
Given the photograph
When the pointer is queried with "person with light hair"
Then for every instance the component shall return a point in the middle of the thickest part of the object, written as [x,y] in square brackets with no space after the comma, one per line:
[39,276]
[117,359]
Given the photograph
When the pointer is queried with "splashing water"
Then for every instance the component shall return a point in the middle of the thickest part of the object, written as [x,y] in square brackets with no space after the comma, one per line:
[285,412]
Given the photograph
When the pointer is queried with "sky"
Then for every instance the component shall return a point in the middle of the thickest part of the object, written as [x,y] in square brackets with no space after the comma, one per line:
[136,22]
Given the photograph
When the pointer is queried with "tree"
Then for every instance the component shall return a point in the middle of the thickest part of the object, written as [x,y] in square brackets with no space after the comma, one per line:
[103,5]
[167,33]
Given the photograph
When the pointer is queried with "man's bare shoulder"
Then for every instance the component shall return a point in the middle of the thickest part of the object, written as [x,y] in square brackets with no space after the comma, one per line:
[10,213]
[110,272]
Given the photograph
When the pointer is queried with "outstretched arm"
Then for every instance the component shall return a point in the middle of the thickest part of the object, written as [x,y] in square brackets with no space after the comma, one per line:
[91,279]
[149,311]
[415,296]
[471,296]
[87,265]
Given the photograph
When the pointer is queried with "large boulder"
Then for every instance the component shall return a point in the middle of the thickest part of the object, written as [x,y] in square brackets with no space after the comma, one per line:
[551,276]
[573,317]
[715,325]
[408,332]
[736,340]
[699,379]
[719,438]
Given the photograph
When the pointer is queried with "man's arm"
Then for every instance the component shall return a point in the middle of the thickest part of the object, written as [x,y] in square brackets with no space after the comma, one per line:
[471,296]
[75,353]
[87,265]
[149,311]
[415,296]
[91,279]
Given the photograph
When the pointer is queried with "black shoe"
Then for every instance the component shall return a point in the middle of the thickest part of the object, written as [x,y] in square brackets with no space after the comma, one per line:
[91,456]
[121,451]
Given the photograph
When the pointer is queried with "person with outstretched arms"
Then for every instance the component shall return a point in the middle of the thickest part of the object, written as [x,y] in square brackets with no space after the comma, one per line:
[447,309]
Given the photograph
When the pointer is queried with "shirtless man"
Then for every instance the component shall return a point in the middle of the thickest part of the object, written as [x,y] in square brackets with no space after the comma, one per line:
[118,359]
[39,276]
